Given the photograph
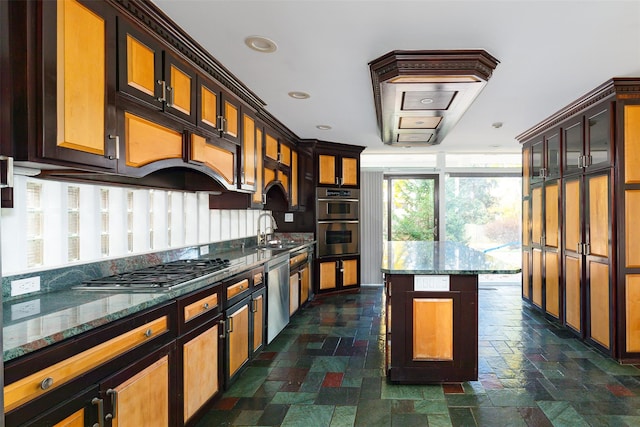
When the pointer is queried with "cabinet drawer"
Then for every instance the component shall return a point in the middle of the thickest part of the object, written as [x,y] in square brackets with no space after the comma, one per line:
[237,288]
[66,370]
[298,259]
[201,306]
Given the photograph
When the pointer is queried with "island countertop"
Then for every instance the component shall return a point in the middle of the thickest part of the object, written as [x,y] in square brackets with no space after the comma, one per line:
[405,257]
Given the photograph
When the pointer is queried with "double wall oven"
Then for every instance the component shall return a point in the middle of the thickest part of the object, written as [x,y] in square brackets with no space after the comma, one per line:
[338,228]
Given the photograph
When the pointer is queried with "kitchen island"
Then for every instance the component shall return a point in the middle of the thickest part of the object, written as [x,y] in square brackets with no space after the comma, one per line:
[432,335]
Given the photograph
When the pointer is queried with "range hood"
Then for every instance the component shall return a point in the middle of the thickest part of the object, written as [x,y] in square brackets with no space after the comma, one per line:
[420,95]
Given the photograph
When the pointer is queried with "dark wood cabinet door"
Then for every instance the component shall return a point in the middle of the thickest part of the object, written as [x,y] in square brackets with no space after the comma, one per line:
[140,73]
[78,80]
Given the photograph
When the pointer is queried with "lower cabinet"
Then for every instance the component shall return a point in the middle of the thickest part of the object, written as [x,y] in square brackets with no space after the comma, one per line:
[200,367]
[338,273]
[139,396]
[244,321]
[238,328]
[294,292]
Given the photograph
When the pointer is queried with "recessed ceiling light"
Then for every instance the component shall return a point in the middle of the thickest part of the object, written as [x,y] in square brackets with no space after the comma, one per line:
[299,95]
[323,127]
[419,122]
[261,44]
[497,125]
[426,101]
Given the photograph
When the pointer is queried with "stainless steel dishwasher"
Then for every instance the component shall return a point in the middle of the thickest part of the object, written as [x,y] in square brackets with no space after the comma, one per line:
[277,295]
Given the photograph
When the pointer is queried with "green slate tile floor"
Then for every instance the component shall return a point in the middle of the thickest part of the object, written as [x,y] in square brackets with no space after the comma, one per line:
[327,369]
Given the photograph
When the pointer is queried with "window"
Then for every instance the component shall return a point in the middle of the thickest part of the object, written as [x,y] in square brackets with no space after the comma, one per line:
[35,221]
[104,222]
[73,218]
[130,221]
[484,212]
[150,219]
[411,207]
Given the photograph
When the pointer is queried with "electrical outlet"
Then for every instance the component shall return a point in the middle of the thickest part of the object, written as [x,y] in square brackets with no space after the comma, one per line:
[288,217]
[204,250]
[25,286]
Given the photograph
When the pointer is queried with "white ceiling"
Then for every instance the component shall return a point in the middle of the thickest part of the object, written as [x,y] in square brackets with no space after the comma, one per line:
[550,53]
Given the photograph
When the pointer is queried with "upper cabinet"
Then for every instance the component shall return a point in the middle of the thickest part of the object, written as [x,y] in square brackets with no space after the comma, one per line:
[152,74]
[338,165]
[280,166]
[218,111]
[77,83]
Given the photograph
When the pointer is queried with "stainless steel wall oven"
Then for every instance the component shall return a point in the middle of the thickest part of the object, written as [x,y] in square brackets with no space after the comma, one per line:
[338,228]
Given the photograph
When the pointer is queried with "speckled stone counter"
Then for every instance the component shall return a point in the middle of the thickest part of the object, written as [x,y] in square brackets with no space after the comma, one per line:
[36,322]
[440,258]
[432,336]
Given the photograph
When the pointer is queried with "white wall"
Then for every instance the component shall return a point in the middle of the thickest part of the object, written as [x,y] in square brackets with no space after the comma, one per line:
[191,222]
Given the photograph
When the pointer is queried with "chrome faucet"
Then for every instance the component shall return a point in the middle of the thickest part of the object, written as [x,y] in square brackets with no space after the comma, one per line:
[262,236]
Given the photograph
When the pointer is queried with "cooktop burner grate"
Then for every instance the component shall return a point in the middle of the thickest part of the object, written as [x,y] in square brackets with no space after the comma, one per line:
[161,276]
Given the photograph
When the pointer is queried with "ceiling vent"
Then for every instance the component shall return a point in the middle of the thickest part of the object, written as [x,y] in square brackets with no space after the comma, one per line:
[421,95]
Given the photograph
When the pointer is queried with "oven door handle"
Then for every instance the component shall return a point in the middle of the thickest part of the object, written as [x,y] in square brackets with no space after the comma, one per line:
[337,199]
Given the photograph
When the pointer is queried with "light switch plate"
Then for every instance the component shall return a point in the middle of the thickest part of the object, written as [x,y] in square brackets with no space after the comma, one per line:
[204,250]
[288,217]
[25,286]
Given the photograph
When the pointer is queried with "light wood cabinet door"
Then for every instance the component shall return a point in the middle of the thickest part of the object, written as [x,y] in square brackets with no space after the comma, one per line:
[74,420]
[328,275]
[349,272]
[200,370]
[537,277]
[258,309]
[349,171]
[327,170]
[305,282]
[147,142]
[143,400]
[79,66]
[248,178]
[238,339]
[256,198]
[219,159]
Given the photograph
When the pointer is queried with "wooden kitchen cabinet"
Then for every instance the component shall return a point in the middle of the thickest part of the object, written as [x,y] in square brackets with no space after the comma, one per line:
[250,161]
[216,156]
[218,111]
[152,74]
[78,85]
[65,379]
[337,165]
[576,244]
[338,273]
[279,161]
[244,321]
[139,396]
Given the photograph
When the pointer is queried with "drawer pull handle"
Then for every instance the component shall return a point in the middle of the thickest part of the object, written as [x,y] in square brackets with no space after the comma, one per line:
[114,401]
[206,306]
[148,333]
[46,383]
[100,403]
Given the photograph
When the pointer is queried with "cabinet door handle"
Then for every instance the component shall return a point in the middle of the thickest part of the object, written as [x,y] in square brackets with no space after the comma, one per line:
[206,306]
[579,248]
[148,333]
[117,147]
[337,181]
[223,335]
[586,249]
[169,96]
[163,97]
[229,325]
[264,199]
[254,306]
[8,183]
[100,404]
[114,401]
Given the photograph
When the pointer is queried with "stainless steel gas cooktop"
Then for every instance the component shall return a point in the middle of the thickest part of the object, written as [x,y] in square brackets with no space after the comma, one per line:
[162,276]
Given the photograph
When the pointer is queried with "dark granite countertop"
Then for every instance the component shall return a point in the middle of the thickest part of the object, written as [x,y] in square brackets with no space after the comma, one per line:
[440,258]
[36,322]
